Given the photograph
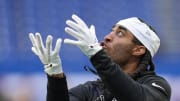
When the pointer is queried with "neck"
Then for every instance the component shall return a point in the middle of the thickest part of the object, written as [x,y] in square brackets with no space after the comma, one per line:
[131,66]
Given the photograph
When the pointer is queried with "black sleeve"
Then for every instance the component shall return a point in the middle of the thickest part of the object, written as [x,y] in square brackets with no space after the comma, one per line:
[57,89]
[121,84]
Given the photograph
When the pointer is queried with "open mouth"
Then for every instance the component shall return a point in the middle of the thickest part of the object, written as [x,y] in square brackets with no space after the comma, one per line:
[103,44]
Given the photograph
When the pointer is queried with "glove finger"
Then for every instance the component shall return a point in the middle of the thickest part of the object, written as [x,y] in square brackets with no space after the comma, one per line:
[74,33]
[79,21]
[33,41]
[93,32]
[76,26]
[92,29]
[73,42]
[35,51]
[49,44]
[58,46]
[40,43]
[31,37]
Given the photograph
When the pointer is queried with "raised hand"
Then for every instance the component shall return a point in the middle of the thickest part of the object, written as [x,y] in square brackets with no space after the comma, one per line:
[50,58]
[86,37]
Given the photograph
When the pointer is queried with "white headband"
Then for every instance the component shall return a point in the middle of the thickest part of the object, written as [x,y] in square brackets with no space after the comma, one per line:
[143,33]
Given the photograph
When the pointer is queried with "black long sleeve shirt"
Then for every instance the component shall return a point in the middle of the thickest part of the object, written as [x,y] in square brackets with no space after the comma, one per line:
[114,85]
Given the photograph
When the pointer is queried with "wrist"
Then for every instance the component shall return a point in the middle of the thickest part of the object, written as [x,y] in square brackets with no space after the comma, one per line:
[93,49]
[53,69]
[60,75]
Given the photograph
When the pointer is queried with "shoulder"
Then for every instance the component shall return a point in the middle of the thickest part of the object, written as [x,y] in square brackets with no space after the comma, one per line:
[156,83]
[152,79]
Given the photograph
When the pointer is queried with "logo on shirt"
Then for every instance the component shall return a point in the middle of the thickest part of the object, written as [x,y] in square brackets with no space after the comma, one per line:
[101,98]
[157,86]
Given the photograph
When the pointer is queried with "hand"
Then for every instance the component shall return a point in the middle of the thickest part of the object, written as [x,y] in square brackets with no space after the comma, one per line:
[86,37]
[48,57]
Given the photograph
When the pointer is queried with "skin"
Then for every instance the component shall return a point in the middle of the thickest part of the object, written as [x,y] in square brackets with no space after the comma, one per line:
[119,46]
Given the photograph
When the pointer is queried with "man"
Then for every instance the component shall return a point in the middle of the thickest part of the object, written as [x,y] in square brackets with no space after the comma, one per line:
[123,62]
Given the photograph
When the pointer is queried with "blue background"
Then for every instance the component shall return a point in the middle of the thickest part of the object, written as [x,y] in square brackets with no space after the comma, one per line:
[20,17]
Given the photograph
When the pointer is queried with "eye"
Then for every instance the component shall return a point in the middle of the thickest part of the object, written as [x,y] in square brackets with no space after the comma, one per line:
[120,34]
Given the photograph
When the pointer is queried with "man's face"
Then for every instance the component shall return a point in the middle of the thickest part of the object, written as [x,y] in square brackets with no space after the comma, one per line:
[118,44]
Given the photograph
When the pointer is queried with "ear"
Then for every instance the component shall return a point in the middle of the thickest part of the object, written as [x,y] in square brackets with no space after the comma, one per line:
[138,50]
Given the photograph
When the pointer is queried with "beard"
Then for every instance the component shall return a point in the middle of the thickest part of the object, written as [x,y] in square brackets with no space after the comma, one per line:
[119,55]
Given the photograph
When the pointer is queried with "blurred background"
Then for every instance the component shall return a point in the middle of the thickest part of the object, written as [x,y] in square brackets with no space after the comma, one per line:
[21,72]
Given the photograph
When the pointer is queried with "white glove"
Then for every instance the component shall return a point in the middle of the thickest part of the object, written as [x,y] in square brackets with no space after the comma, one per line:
[50,58]
[86,37]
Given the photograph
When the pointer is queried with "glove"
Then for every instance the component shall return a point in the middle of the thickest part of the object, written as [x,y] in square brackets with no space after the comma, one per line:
[50,58]
[86,37]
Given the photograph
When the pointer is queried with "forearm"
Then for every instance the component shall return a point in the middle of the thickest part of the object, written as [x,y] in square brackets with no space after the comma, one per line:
[119,83]
[57,88]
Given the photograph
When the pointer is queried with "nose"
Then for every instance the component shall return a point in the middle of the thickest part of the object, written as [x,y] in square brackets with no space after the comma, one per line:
[108,38]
